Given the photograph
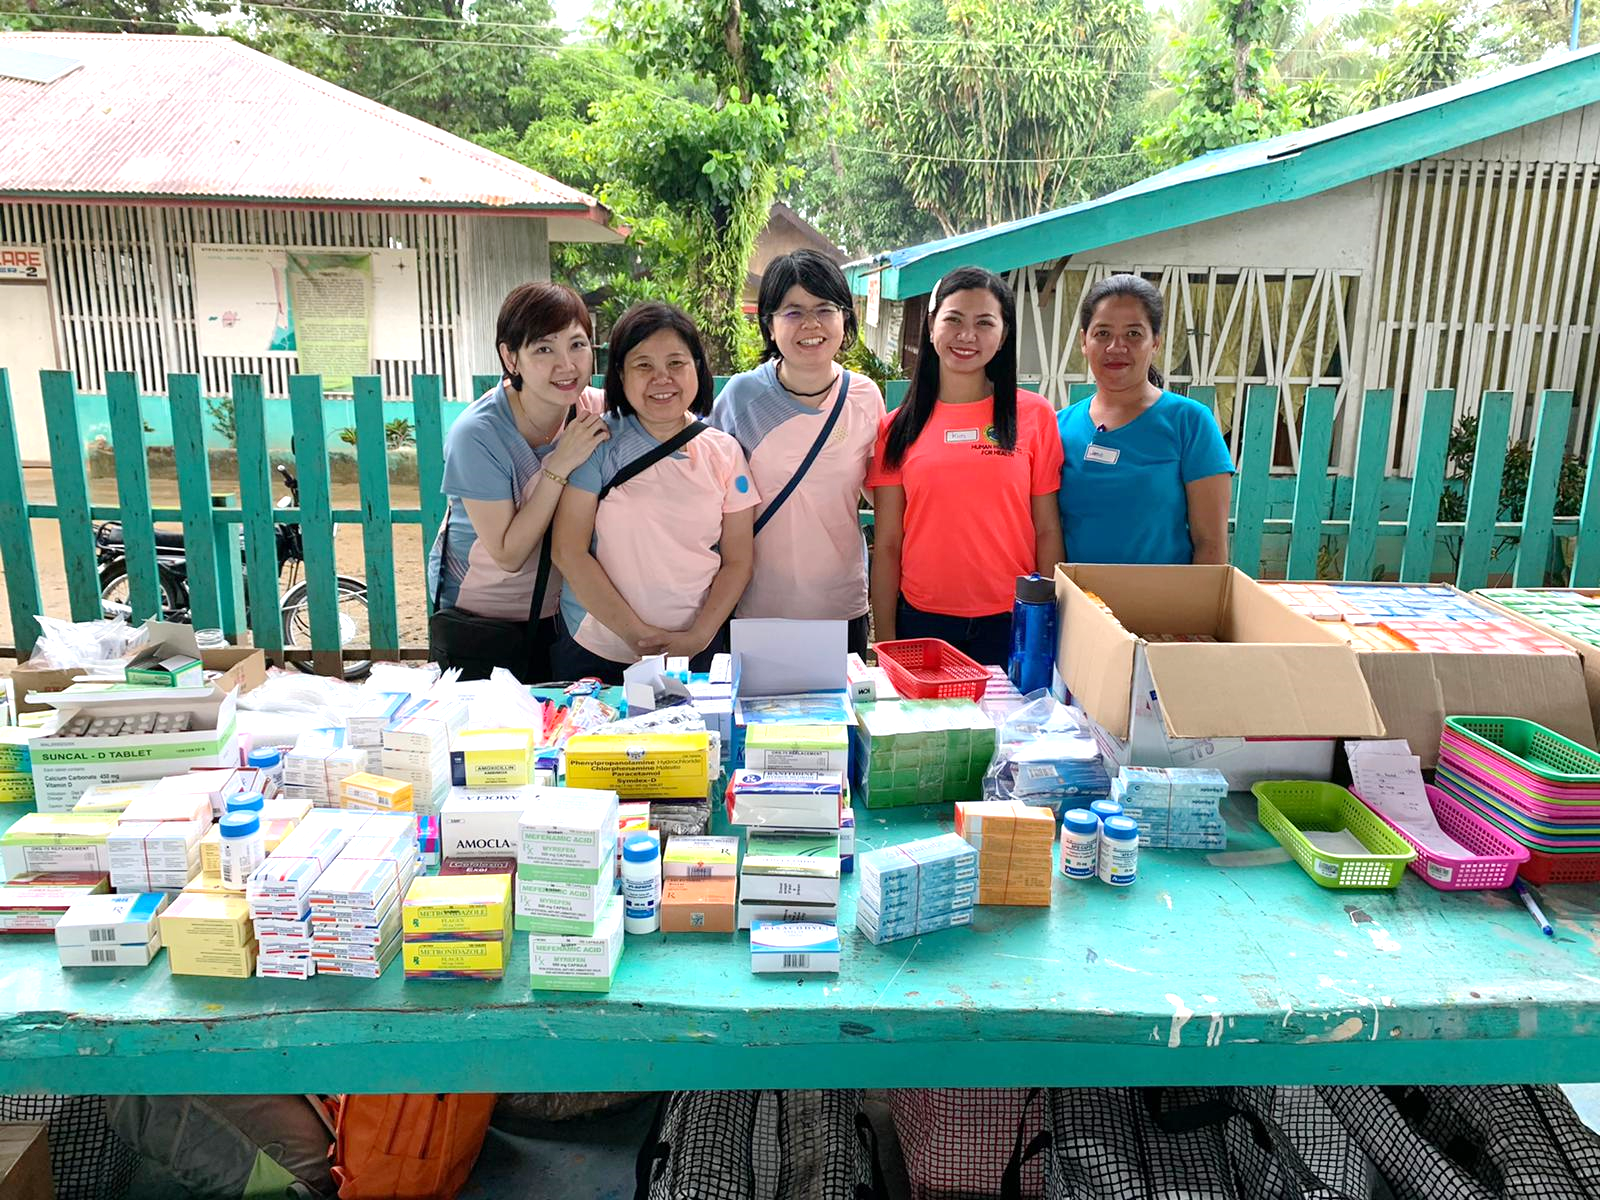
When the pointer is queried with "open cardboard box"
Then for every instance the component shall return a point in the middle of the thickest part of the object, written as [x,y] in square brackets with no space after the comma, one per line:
[240,666]
[1588,654]
[1416,691]
[64,767]
[1268,700]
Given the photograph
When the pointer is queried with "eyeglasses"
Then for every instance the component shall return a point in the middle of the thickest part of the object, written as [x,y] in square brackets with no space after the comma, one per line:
[821,314]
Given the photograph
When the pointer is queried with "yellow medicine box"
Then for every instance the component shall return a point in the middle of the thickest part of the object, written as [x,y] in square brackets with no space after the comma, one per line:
[641,766]
[456,904]
[203,921]
[366,792]
[456,956]
[492,758]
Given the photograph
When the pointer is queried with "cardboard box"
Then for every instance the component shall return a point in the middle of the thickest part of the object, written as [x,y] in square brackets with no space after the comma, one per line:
[704,905]
[65,767]
[1588,654]
[240,668]
[25,1163]
[1267,699]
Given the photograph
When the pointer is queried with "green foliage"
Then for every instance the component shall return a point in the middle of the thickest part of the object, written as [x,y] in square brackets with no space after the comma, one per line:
[864,362]
[223,420]
[397,434]
[1431,49]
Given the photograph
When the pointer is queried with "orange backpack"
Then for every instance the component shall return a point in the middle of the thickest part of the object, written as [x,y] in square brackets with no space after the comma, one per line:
[408,1147]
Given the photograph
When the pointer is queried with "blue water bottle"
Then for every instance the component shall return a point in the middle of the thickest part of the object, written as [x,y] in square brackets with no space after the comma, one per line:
[1033,634]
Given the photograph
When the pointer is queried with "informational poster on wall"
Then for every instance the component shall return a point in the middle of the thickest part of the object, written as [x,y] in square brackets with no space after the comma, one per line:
[330,297]
[335,309]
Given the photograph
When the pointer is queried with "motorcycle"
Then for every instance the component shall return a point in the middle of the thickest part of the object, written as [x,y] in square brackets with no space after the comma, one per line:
[172,572]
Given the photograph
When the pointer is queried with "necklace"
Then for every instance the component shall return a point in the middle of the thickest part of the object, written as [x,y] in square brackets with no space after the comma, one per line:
[821,391]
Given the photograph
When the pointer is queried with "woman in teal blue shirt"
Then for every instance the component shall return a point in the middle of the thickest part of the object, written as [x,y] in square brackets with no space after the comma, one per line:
[1146,476]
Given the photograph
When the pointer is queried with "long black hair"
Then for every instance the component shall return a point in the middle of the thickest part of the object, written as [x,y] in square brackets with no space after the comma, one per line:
[1142,290]
[912,416]
[819,275]
[638,323]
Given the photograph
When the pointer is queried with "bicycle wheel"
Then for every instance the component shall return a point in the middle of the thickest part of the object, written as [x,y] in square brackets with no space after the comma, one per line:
[354,629]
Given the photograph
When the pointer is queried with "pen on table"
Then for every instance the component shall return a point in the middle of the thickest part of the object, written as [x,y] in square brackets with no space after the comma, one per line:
[1533,908]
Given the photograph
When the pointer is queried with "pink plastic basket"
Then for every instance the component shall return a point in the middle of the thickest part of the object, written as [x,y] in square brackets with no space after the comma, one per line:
[1471,769]
[1516,775]
[1502,813]
[1494,860]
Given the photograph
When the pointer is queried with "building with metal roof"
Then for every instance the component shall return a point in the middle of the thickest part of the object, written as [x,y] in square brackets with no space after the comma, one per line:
[158,195]
[1447,241]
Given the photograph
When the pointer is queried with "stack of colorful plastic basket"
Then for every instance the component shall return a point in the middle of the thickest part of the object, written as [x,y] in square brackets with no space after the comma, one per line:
[1539,788]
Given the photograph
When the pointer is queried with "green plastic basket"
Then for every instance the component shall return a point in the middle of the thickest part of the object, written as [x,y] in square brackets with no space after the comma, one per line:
[1537,750]
[1286,809]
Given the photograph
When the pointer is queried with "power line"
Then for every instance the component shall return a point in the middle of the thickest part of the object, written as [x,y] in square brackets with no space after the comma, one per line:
[942,158]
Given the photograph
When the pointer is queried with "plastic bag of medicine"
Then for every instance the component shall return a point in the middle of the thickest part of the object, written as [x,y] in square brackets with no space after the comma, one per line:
[1045,752]
[86,644]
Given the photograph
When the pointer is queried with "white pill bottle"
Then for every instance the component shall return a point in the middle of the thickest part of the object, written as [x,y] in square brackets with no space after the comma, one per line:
[1119,851]
[641,883]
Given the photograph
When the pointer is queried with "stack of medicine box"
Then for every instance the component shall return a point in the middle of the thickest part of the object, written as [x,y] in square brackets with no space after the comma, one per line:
[217,784]
[1176,808]
[366,792]
[113,797]
[564,962]
[1014,842]
[800,747]
[355,903]
[789,875]
[416,749]
[67,841]
[478,829]
[35,901]
[457,927]
[566,861]
[319,760]
[279,891]
[700,885]
[111,931]
[365,724]
[279,816]
[492,758]
[16,764]
[916,888]
[156,845]
[209,933]
[922,751]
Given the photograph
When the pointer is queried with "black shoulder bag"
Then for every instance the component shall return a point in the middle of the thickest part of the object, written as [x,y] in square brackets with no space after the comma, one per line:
[477,645]
[811,457]
[651,457]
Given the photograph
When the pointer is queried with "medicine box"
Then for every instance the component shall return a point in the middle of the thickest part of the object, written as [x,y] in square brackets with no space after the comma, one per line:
[31,908]
[564,963]
[196,921]
[799,948]
[702,905]
[367,720]
[751,911]
[15,757]
[569,827]
[456,959]
[791,866]
[561,907]
[690,857]
[482,824]
[921,751]
[491,758]
[110,955]
[641,766]
[126,919]
[786,747]
[57,841]
[113,797]
[457,904]
[367,792]
[64,767]
[16,787]
[795,799]
[159,668]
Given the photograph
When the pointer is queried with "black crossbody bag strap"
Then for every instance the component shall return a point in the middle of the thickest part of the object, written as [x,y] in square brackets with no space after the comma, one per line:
[541,579]
[811,457]
[651,457]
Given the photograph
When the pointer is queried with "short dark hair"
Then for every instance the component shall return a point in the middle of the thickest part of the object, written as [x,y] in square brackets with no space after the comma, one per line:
[633,327]
[535,310]
[1142,290]
[819,275]
[912,415]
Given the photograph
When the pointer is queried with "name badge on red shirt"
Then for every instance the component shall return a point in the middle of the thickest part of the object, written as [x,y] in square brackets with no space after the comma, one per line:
[954,436]
[1101,454]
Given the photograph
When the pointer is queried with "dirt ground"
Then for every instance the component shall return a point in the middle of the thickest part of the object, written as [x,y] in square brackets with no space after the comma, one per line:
[410,583]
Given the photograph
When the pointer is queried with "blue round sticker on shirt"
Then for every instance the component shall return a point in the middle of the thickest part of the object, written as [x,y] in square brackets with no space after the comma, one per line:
[742,484]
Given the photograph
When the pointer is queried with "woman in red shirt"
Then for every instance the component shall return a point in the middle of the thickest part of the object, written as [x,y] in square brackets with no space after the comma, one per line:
[966,473]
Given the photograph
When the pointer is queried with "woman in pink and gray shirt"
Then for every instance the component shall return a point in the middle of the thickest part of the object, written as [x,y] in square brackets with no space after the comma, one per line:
[810,559]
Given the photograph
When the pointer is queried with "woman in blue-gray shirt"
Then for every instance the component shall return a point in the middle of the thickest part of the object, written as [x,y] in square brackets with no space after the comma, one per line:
[1146,476]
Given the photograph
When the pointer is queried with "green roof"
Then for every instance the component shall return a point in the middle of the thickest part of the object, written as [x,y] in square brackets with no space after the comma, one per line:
[1240,178]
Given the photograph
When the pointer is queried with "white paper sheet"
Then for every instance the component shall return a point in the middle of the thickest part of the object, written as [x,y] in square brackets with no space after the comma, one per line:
[1392,785]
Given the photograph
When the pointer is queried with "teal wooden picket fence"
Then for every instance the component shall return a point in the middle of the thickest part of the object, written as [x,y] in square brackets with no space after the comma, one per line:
[1296,526]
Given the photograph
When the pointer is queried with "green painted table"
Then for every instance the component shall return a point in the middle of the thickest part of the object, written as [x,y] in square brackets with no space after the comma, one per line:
[1223,968]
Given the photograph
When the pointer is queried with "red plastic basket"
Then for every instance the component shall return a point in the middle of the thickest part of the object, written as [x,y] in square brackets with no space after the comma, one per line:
[1545,869]
[929,669]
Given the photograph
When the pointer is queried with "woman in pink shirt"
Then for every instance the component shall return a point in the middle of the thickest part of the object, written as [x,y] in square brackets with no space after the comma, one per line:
[653,532]
[808,427]
[965,474]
